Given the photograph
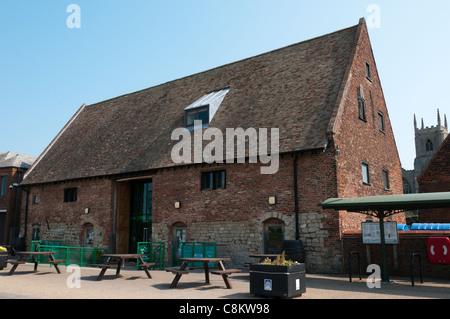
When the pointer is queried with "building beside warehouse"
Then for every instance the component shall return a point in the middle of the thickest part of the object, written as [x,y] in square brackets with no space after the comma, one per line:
[12,169]
[436,178]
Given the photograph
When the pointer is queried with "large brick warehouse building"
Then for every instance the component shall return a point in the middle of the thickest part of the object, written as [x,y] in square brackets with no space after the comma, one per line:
[108,179]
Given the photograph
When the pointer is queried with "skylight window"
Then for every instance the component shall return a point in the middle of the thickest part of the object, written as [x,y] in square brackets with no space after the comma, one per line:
[204,108]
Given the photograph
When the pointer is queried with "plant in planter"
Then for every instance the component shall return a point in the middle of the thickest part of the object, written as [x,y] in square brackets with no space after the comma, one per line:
[3,257]
[278,278]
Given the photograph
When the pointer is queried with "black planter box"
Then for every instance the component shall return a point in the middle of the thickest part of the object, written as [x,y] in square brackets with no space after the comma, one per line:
[3,259]
[277,281]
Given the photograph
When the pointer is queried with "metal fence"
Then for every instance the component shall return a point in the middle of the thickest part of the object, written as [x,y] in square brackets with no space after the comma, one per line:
[82,256]
[154,252]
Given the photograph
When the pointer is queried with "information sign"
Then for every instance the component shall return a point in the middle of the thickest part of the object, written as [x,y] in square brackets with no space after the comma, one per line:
[371,233]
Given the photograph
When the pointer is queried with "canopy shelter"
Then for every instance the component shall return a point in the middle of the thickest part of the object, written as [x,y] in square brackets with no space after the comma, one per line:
[388,205]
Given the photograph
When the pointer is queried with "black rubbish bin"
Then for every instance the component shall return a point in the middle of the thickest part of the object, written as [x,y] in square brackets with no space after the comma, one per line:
[3,259]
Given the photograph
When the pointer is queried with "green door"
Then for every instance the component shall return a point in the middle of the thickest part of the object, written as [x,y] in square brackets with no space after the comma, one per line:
[140,214]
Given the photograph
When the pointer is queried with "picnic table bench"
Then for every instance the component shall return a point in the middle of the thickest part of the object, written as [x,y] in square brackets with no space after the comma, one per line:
[34,254]
[178,272]
[116,261]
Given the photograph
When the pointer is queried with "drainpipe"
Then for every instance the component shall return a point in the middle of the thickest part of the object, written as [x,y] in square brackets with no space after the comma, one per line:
[297,230]
[16,207]
[26,212]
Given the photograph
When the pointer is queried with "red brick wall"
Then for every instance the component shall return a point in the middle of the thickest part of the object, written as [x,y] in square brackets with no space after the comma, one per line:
[438,215]
[409,242]
[242,208]
[59,220]
[247,191]
[243,203]
[362,141]
[436,176]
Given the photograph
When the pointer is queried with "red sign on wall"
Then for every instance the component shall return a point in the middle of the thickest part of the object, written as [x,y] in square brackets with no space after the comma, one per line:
[438,250]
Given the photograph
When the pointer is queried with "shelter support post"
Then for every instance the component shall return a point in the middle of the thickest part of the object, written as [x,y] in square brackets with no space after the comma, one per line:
[384,269]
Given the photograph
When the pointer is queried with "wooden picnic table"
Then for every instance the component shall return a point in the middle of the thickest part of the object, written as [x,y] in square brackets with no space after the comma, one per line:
[36,255]
[178,272]
[116,261]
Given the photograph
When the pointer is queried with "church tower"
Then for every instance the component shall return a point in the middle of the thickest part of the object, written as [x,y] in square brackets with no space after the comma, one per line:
[427,140]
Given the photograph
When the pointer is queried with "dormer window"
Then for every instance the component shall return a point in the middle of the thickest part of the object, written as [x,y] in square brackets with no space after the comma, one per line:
[204,108]
[197,114]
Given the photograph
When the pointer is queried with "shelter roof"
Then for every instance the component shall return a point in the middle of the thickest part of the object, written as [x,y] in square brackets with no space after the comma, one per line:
[389,202]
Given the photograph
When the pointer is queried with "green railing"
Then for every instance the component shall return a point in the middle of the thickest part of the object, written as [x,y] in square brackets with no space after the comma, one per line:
[154,252]
[193,249]
[82,256]
[36,243]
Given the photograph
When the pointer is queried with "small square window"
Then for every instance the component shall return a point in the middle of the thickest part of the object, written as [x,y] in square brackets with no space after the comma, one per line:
[365,173]
[70,195]
[368,71]
[213,180]
[386,184]
[381,124]
[35,199]
[199,114]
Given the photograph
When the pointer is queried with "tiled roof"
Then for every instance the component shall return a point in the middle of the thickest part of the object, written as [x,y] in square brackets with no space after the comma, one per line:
[12,159]
[294,88]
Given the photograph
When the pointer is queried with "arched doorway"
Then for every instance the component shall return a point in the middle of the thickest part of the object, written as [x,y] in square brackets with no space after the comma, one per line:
[87,239]
[273,236]
[178,236]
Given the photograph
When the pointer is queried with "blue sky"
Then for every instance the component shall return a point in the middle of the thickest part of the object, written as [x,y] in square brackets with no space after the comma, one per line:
[48,70]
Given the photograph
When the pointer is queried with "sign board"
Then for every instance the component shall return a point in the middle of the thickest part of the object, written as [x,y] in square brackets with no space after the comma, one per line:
[268,284]
[371,233]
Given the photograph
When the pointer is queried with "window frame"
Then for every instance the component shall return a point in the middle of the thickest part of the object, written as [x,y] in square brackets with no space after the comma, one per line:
[429,147]
[273,223]
[383,122]
[368,71]
[196,111]
[209,180]
[3,185]
[406,186]
[362,112]
[365,166]
[70,195]
[385,177]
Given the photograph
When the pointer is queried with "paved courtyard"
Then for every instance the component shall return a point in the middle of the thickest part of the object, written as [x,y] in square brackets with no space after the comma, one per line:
[133,284]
